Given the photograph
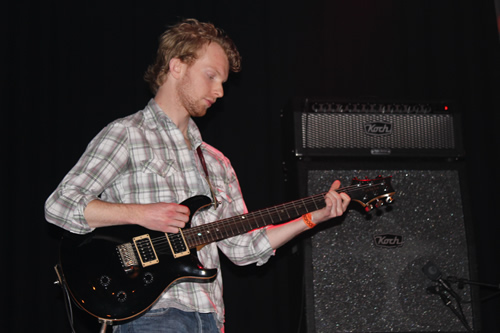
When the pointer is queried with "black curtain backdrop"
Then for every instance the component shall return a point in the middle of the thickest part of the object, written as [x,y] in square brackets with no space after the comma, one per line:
[69,68]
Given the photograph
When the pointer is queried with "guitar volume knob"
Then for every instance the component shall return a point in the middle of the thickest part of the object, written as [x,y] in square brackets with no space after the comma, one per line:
[148,278]
[121,296]
[105,281]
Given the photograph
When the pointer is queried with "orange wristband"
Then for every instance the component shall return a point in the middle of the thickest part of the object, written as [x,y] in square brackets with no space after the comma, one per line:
[307,218]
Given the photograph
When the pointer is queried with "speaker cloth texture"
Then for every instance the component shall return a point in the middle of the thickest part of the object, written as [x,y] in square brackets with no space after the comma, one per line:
[364,273]
[384,131]
[368,134]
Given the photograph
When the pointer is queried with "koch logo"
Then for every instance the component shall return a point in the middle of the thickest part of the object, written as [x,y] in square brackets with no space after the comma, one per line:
[378,128]
[388,240]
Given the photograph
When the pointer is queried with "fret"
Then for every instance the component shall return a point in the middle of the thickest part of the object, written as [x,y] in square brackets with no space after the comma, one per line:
[219,230]
[263,219]
[200,237]
[302,207]
[194,237]
[243,224]
[205,235]
[229,227]
[248,223]
[209,235]
[234,228]
[277,213]
[297,213]
[299,207]
[239,227]
[222,231]
[316,207]
[286,210]
[251,222]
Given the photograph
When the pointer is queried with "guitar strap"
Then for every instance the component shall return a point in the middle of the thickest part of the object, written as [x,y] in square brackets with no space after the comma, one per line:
[204,165]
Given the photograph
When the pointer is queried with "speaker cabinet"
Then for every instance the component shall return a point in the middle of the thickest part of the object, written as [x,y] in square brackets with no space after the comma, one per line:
[363,273]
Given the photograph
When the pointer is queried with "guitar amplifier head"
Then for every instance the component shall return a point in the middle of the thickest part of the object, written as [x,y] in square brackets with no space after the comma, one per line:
[359,128]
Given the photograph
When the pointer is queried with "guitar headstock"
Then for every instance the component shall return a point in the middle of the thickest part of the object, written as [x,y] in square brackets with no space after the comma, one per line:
[372,193]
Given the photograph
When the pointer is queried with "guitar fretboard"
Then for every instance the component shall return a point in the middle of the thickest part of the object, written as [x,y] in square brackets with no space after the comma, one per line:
[241,224]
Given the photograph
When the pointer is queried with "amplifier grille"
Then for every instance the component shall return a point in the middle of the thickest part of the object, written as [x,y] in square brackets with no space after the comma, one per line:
[334,133]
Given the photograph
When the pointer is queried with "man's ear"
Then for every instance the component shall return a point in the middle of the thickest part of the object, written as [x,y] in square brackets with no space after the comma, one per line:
[176,67]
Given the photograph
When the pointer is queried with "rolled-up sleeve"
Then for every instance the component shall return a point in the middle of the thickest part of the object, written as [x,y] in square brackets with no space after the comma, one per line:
[248,248]
[101,163]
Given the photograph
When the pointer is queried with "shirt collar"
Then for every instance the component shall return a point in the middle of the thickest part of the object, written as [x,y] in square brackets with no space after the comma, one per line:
[155,116]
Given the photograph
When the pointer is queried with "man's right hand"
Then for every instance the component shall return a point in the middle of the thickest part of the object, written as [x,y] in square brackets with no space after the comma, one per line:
[164,217]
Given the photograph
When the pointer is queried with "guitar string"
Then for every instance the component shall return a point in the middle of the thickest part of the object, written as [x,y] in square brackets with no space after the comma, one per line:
[193,235]
[227,225]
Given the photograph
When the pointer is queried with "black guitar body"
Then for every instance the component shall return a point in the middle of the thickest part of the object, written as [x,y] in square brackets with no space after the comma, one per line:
[117,273]
[100,283]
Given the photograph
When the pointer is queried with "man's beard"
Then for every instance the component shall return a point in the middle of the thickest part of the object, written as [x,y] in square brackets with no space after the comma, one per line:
[185,93]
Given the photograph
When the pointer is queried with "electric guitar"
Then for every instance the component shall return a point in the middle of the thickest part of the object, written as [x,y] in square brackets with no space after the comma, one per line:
[117,273]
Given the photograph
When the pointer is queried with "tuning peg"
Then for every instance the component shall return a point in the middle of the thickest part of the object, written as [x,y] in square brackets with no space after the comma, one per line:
[378,203]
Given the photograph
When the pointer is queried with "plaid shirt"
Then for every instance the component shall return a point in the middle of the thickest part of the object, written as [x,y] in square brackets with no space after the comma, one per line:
[143,158]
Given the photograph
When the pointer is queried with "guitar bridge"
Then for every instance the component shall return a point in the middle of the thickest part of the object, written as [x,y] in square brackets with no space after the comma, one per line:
[127,256]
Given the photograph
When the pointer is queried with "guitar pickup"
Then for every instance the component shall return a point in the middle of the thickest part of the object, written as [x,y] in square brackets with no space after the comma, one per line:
[178,244]
[145,250]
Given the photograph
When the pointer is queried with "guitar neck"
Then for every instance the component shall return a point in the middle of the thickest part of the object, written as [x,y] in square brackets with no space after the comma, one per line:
[369,193]
[237,225]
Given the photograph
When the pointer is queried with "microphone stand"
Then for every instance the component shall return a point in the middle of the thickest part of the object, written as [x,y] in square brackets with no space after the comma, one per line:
[461,282]
[443,293]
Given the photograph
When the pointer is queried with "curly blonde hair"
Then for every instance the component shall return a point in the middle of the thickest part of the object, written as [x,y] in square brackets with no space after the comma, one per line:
[183,41]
